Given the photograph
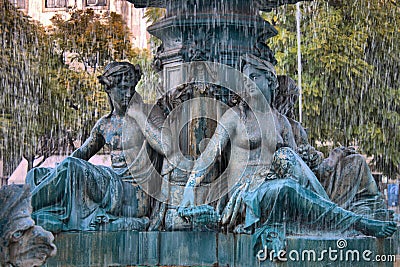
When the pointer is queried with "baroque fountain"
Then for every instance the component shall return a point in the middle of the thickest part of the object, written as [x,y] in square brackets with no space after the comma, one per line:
[216,173]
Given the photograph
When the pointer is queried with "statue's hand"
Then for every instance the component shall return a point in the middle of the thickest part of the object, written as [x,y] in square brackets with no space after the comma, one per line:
[188,199]
[203,214]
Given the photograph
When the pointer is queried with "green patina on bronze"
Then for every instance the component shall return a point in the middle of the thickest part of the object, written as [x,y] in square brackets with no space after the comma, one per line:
[77,195]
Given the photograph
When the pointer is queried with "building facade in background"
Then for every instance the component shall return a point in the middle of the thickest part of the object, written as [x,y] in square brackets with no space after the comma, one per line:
[44,10]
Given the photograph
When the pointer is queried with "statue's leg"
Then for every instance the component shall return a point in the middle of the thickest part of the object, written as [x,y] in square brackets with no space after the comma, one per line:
[286,200]
[73,193]
[72,173]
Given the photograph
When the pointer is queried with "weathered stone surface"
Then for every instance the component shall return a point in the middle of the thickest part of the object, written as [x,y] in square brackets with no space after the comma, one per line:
[128,248]
[149,248]
[188,248]
[97,249]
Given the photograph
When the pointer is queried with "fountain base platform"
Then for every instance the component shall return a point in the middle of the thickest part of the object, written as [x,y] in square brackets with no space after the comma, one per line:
[127,248]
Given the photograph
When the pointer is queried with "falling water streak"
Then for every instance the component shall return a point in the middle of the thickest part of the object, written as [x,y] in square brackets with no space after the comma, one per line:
[298,17]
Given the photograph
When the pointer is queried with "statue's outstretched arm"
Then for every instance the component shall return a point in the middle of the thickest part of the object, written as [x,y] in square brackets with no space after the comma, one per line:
[225,129]
[92,145]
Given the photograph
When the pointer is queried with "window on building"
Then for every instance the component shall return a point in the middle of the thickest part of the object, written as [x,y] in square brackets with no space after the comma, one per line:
[96,3]
[19,3]
[56,3]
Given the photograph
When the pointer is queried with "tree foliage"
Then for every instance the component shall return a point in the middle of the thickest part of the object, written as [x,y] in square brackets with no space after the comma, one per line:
[47,103]
[154,14]
[26,58]
[350,80]
[94,39]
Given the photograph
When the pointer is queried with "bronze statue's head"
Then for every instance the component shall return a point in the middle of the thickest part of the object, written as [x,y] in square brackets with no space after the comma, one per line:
[120,80]
[22,243]
[115,72]
[262,73]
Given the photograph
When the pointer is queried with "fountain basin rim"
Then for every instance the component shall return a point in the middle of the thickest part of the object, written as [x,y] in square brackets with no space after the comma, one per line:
[204,19]
[262,5]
